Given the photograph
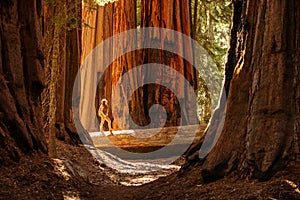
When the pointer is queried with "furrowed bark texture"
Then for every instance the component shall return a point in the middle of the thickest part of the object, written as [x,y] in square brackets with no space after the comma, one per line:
[106,22]
[21,79]
[62,51]
[261,130]
[175,15]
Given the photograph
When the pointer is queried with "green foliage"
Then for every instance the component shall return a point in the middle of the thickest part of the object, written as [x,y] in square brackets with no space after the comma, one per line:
[64,15]
[211,20]
[138,12]
[213,28]
[103,2]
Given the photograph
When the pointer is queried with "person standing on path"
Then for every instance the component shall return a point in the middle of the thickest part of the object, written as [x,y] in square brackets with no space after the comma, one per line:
[103,113]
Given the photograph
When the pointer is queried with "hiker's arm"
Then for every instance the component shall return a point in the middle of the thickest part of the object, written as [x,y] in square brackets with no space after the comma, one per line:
[100,111]
[107,110]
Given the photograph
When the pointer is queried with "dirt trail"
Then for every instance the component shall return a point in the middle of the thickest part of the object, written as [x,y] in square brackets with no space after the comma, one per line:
[127,152]
[78,175]
[130,173]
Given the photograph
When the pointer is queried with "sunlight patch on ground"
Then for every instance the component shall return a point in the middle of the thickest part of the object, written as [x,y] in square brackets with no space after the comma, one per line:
[139,181]
[61,169]
[124,166]
[106,133]
[130,173]
[69,195]
[138,168]
[293,185]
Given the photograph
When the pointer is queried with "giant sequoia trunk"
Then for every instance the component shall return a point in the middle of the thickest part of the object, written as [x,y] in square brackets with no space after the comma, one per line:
[21,78]
[170,14]
[92,35]
[99,20]
[125,19]
[261,130]
[105,22]
[62,50]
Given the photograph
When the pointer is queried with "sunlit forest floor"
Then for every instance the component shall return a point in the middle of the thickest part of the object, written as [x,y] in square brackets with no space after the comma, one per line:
[78,175]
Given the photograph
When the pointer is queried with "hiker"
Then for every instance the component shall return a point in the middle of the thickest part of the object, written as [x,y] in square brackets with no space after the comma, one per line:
[103,113]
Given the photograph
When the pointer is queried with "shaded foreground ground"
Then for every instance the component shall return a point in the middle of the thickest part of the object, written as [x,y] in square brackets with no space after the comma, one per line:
[77,175]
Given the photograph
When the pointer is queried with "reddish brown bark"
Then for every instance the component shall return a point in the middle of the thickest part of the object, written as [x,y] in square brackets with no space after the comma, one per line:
[106,22]
[261,129]
[125,19]
[170,14]
[92,35]
[100,27]
[21,79]
[62,50]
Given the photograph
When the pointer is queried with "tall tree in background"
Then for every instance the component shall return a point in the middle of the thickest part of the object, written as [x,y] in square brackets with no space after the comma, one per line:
[124,19]
[98,27]
[211,22]
[21,79]
[103,23]
[62,58]
[261,130]
[175,15]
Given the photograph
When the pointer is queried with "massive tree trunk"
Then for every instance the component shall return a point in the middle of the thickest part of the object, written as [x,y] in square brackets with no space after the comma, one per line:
[21,78]
[62,50]
[73,56]
[125,19]
[170,14]
[99,20]
[106,22]
[261,130]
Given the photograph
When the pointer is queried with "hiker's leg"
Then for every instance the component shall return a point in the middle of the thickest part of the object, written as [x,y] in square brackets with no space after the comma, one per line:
[109,125]
[101,124]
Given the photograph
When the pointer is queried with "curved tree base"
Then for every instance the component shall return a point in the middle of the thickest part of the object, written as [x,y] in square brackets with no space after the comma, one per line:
[261,131]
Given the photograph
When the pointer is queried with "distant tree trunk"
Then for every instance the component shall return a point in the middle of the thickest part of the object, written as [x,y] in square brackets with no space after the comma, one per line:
[21,79]
[62,47]
[171,14]
[105,22]
[261,130]
[125,19]
[99,26]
